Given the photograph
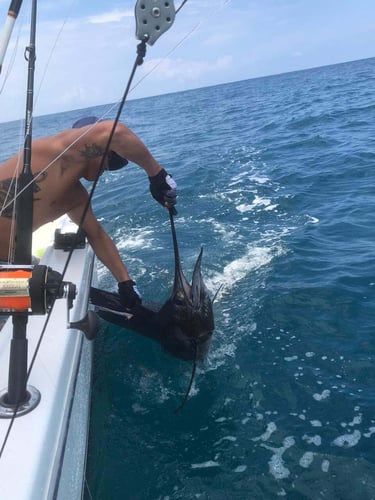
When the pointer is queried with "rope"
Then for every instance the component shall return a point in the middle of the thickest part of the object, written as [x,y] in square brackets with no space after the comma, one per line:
[180,7]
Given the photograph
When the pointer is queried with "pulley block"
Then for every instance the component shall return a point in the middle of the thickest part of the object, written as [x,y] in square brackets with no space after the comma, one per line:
[153,18]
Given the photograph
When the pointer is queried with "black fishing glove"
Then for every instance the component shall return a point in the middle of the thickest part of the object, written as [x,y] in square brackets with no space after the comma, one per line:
[163,188]
[129,294]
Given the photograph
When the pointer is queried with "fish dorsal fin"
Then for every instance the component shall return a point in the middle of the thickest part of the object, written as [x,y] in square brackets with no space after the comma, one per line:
[197,285]
[180,284]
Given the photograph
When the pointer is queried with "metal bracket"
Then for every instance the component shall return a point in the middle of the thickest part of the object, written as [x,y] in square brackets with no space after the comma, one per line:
[7,410]
[153,18]
[89,325]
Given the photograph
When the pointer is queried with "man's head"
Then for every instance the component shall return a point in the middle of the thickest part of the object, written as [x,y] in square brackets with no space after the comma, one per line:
[115,161]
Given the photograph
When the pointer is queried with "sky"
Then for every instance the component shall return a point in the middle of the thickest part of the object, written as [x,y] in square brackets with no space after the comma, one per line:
[86,49]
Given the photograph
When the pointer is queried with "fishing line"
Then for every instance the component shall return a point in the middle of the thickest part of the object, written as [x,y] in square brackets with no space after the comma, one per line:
[58,36]
[12,185]
[88,488]
[11,64]
[166,55]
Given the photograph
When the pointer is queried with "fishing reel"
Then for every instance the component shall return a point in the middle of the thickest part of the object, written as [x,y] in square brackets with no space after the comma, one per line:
[34,289]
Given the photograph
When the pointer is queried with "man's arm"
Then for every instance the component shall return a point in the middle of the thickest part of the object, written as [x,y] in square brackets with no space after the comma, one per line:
[128,145]
[101,243]
[162,186]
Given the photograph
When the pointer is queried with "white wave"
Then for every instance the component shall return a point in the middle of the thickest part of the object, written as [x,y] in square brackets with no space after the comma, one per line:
[135,240]
[316,423]
[258,179]
[324,395]
[271,428]
[306,459]
[276,463]
[325,465]
[225,438]
[316,440]
[226,233]
[312,220]
[257,202]
[237,179]
[357,420]
[347,440]
[239,268]
[370,432]
[204,465]
[240,468]
[291,358]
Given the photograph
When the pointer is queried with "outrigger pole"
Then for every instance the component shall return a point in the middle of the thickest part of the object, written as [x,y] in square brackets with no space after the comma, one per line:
[13,11]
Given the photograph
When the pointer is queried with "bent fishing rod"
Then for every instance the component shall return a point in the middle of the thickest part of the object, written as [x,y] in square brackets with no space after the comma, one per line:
[153,18]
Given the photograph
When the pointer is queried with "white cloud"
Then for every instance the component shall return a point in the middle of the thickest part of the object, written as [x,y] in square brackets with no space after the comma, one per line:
[182,70]
[219,39]
[110,17]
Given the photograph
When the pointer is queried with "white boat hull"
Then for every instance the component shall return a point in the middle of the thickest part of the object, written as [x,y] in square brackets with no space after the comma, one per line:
[45,452]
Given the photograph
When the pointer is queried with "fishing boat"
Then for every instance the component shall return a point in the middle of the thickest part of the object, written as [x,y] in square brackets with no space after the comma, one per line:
[44,403]
[45,450]
[46,347]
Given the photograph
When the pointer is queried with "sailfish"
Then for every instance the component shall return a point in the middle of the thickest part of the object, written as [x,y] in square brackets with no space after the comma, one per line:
[183,325]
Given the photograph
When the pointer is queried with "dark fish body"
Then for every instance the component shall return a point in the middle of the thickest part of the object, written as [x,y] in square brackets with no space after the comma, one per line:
[187,320]
[183,325]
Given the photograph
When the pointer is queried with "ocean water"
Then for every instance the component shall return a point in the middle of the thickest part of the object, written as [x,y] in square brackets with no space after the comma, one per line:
[276,180]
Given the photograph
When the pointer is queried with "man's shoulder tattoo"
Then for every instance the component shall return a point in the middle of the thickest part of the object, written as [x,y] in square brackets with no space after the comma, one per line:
[39,178]
[8,193]
[92,151]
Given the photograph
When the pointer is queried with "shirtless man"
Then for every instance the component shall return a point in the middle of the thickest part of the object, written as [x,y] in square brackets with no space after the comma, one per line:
[58,189]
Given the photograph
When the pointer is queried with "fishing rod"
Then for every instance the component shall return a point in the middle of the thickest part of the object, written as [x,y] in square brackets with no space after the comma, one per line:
[153,18]
[24,288]
[13,11]
[17,391]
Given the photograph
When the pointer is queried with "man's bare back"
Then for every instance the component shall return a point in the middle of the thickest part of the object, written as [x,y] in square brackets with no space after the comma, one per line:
[56,190]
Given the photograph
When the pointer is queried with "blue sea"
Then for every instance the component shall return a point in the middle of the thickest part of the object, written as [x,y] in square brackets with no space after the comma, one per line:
[276,181]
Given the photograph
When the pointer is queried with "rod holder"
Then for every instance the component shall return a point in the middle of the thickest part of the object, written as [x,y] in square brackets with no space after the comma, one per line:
[8,410]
